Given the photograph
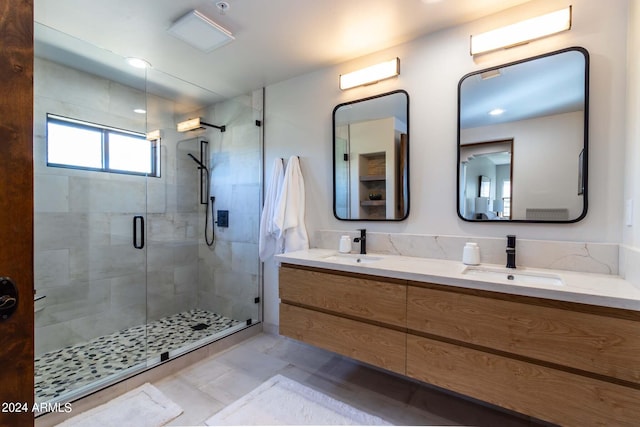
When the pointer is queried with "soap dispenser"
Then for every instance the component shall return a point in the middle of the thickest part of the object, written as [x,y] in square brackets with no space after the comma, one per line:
[471,254]
[345,245]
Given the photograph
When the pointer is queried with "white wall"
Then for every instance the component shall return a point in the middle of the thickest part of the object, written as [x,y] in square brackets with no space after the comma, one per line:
[298,121]
[630,253]
[632,179]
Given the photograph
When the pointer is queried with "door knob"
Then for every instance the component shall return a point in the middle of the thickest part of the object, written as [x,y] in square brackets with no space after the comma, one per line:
[8,297]
[7,301]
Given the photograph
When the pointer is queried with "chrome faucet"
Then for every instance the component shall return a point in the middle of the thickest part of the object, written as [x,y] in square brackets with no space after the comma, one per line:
[362,240]
[511,251]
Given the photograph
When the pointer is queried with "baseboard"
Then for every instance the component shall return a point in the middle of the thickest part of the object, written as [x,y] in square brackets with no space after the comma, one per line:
[270,328]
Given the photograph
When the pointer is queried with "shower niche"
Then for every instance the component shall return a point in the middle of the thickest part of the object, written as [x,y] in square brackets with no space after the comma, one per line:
[373,185]
[124,268]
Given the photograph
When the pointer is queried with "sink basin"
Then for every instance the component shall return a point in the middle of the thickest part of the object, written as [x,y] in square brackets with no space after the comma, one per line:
[353,258]
[514,276]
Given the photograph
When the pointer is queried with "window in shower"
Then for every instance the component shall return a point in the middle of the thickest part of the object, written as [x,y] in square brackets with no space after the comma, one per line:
[81,145]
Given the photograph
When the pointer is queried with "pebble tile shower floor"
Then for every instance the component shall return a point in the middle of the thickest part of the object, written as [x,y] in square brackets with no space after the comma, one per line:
[61,371]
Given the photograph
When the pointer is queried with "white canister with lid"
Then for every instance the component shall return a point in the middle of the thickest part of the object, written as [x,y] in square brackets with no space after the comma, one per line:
[471,254]
[345,245]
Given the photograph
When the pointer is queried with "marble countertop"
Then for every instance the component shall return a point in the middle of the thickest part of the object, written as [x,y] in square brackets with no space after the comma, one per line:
[586,288]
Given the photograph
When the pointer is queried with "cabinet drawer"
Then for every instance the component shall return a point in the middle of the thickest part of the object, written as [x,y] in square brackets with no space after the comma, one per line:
[371,344]
[596,343]
[361,297]
[549,394]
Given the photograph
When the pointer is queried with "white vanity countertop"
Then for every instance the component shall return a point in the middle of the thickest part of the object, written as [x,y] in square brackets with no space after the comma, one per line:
[586,288]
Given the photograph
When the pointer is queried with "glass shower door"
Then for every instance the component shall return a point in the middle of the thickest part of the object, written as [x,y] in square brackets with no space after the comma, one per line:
[90,279]
[231,278]
[203,273]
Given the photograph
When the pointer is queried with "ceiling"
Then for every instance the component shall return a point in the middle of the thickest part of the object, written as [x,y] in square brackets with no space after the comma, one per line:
[274,39]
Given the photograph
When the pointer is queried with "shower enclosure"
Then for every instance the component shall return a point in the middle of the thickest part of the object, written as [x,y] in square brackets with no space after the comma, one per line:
[124,276]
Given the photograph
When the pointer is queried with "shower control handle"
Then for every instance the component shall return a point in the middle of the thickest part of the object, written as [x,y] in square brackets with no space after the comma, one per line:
[138,219]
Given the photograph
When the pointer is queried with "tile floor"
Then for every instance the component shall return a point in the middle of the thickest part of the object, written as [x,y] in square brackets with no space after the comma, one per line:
[208,386]
[60,372]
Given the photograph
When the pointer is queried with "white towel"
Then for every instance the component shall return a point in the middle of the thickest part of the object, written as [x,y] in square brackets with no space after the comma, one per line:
[289,211]
[269,243]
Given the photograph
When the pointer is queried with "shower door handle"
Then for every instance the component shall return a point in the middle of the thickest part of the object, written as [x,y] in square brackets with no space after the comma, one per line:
[138,219]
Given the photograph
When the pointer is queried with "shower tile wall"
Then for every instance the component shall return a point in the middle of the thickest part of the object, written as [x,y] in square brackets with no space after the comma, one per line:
[93,279]
[229,271]
[172,219]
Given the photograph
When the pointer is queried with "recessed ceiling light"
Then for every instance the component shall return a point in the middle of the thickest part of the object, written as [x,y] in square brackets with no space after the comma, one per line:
[140,111]
[138,62]
[200,32]
[496,111]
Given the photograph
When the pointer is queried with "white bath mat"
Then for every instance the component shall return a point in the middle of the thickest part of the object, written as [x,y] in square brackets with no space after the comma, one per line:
[144,406]
[282,401]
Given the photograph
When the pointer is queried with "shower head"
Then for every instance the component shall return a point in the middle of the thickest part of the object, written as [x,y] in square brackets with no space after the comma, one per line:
[197,161]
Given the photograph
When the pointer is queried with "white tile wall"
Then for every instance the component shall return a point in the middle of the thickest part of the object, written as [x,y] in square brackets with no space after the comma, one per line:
[630,264]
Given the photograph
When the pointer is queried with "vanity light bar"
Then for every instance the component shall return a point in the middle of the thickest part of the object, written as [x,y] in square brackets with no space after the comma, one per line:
[370,75]
[522,32]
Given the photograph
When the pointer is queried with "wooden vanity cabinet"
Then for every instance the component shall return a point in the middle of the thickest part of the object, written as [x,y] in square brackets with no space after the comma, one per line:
[597,340]
[562,362]
[356,316]
[554,395]
[370,299]
[567,363]
[375,345]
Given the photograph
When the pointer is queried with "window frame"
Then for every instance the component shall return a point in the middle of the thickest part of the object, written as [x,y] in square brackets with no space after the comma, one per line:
[104,131]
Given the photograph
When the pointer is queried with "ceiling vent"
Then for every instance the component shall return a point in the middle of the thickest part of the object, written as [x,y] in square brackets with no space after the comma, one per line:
[200,32]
